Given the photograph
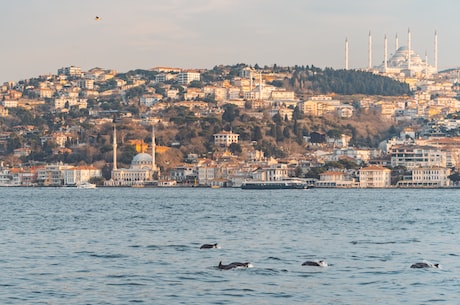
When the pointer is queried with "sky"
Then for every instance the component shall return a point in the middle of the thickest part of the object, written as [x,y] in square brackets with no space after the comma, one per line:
[40,36]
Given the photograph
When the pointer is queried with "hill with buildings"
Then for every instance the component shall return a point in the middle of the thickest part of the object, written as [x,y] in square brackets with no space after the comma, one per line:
[279,113]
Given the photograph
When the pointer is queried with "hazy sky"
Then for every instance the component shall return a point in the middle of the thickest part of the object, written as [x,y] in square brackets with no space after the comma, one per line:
[40,36]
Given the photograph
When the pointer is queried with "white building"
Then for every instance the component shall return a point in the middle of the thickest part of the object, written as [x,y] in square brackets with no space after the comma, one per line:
[78,175]
[141,171]
[187,77]
[427,177]
[374,177]
[335,179]
[225,138]
[10,104]
[52,175]
[413,156]
[273,173]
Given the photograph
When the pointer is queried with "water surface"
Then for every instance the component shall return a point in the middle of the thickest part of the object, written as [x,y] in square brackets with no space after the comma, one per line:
[123,246]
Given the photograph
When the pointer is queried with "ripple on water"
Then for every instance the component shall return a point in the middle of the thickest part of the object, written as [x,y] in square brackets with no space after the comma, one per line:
[142,246]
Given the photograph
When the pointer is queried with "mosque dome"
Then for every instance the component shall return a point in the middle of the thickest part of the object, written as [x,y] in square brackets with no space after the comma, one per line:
[142,157]
[141,161]
[406,59]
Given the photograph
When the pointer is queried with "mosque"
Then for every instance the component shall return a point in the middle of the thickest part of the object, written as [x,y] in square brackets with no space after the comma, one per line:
[142,170]
[404,62]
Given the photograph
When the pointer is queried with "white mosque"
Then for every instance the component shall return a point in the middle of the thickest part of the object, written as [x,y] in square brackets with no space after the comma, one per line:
[142,170]
[404,62]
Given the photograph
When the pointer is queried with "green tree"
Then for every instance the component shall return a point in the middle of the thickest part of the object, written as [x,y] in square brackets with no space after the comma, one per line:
[235,148]
[256,134]
[231,112]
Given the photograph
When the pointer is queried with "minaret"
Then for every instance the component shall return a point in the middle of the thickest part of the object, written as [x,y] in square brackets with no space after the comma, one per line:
[370,51]
[260,85]
[396,42]
[114,147]
[426,64]
[154,166]
[436,51]
[346,53]
[385,54]
[409,50]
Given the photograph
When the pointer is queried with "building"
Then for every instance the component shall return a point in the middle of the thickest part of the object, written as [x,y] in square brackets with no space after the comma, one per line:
[427,177]
[225,138]
[374,177]
[183,174]
[187,77]
[275,172]
[143,169]
[52,175]
[80,174]
[335,179]
[413,156]
[70,71]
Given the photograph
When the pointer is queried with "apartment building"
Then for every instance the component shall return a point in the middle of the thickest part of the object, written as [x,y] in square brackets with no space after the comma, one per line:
[374,177]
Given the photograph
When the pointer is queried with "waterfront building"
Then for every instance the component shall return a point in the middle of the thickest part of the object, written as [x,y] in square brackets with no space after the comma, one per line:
[80,174]
[413,156]
[184,174]
[335,179]
[142,170]
[52,175]
[275,172]
[374,177]
[434,176]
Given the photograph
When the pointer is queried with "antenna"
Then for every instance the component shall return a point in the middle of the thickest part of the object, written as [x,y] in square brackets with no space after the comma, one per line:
[346,53]
[370,51]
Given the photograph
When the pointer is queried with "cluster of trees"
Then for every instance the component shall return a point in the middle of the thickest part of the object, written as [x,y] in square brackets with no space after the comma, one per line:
[346,82]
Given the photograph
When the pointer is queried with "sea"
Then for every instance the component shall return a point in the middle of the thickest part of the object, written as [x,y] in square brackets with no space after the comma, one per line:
[142,246]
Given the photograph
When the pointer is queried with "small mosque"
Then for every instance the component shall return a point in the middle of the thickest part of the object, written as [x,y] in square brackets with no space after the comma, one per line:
[142,170]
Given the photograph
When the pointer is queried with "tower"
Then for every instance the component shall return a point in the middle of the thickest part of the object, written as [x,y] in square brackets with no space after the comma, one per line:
[409,50]
[370,51]
[114,147]
[346,53]
[154,166]
[426,64]
[396,42]
[260,85]
[436,51]
[385,54]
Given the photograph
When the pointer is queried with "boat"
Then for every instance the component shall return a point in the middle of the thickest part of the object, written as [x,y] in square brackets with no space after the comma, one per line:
[86,185]
[273,185]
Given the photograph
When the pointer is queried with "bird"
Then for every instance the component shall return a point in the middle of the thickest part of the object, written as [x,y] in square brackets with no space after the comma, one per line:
[315,263]
[208,246]
[97,18]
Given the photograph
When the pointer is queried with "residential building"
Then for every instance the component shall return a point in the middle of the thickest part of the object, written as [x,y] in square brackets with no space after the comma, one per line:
[183,174]
[187,77]
[70,71]
[374,177]
[52,175]
[275,172]
[413,156]
[225,138]
[335,179]
[80,174]
[434,176]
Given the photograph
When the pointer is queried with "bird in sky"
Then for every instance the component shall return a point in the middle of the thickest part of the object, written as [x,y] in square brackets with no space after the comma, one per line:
[97,18]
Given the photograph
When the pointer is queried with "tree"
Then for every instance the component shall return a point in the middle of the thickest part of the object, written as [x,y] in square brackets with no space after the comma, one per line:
[230,113]
[256,134]
[455,177]
[235,148]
